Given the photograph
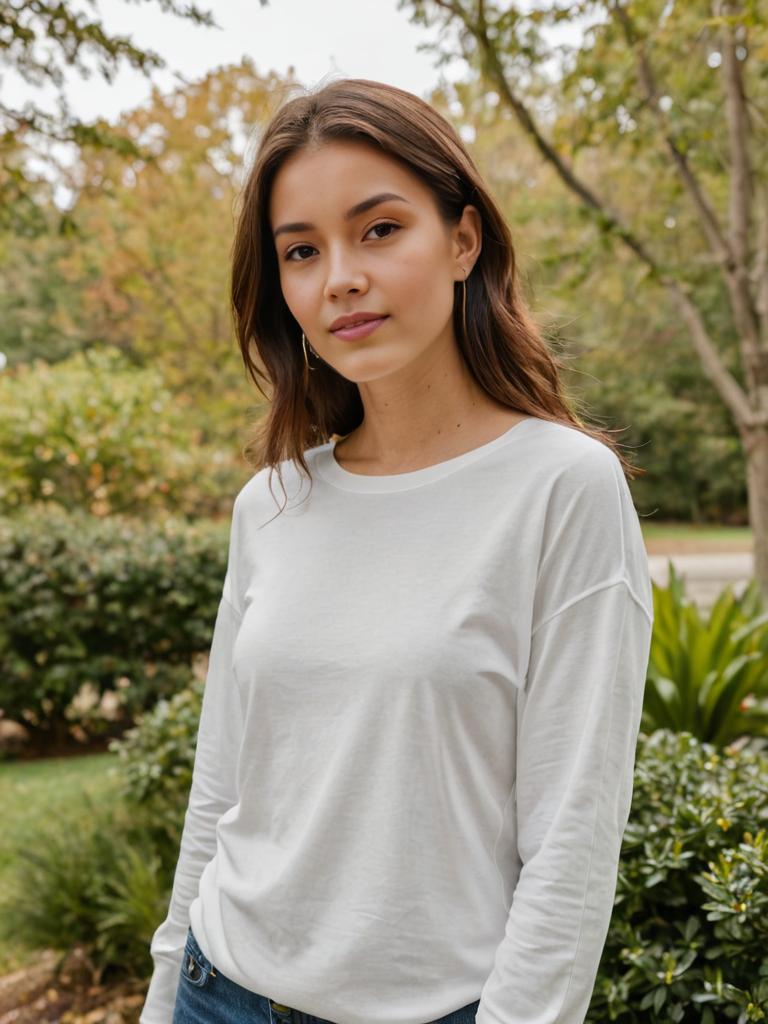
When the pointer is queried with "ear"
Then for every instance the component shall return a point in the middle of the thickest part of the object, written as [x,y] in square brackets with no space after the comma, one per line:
[467,240]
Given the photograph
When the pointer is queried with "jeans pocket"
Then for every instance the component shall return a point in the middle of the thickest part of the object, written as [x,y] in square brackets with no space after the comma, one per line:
[196,968]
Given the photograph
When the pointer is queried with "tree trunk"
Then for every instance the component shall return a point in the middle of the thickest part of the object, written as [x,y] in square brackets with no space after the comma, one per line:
[755,441]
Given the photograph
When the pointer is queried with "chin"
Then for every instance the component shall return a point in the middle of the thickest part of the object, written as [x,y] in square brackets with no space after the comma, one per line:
[363,365]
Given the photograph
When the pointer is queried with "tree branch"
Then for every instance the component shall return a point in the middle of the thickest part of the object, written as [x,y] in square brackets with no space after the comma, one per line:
[730,253]
[726,384]
[738,130]
[747,317]
[718,242]
[759,276]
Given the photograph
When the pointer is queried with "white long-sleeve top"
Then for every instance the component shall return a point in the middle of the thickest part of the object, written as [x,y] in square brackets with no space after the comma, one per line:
[415,756]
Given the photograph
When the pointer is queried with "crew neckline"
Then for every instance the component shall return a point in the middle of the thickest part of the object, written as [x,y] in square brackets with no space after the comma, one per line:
[333,472]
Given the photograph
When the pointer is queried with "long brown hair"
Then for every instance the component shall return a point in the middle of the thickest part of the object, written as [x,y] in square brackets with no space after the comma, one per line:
[501,344]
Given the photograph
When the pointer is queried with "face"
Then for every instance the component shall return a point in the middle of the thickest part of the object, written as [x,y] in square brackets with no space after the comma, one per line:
[396,258]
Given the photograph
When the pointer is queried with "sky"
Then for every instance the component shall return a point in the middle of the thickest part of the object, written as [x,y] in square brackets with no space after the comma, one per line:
[320,40]
[336,37]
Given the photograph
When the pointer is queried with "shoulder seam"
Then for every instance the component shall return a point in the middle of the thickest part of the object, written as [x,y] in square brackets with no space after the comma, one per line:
[580,494]
[603,585]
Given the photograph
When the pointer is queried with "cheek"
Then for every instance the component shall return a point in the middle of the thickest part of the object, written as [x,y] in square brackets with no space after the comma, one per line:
[415,272]
[425,282]
[299,294]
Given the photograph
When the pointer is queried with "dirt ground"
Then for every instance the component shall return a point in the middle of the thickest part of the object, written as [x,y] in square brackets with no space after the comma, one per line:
[39,993]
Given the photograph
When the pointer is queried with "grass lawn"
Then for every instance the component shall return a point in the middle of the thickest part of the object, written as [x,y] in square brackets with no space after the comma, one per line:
[29,790]
[668,538]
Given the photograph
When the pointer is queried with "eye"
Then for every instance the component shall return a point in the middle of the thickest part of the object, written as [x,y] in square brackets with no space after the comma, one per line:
[381,224]
[290,253]
[384,224]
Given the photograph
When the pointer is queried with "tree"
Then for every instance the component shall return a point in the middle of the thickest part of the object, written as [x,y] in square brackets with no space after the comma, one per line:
[152,266]
[674,81]
[71,35]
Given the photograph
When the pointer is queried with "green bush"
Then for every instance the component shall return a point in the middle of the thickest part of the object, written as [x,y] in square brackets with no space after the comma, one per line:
[97,433]
[707,674]
[156,758]
[88,874]
[120,605]
[688,939]
[101,873]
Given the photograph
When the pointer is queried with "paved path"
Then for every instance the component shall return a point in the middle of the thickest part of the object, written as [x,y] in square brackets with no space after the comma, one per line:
[705,575]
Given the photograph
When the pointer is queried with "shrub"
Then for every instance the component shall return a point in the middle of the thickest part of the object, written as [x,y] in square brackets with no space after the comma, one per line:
[95,432]
[119,604]
[155,762]
[688,939]
[91,875]
[100,874]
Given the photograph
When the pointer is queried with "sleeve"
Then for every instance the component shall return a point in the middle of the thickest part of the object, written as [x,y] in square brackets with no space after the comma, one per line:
[577,726]
[213,791]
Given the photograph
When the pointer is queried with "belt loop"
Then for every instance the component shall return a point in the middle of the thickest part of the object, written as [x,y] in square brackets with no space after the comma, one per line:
[280,1013]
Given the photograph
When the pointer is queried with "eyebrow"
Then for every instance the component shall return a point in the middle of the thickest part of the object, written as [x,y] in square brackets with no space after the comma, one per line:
[355,211]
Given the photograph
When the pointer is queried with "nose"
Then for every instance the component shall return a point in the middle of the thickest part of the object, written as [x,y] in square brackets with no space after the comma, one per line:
[344,277]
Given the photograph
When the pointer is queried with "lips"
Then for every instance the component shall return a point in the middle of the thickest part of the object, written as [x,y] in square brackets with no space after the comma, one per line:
[353,319]
[363,329]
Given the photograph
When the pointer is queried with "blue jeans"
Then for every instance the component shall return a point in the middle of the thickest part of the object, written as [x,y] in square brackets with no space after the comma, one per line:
[206,996]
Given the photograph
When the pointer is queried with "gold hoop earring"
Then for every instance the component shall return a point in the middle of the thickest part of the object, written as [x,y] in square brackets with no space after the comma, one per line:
[304,346]
[464,302]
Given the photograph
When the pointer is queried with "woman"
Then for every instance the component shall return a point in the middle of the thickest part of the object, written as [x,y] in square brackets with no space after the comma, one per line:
[415,757]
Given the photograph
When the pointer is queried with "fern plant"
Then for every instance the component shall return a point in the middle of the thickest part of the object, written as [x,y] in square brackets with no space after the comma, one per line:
[708,674]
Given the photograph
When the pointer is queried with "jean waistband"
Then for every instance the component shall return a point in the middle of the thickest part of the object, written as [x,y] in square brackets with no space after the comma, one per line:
[290,1016]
